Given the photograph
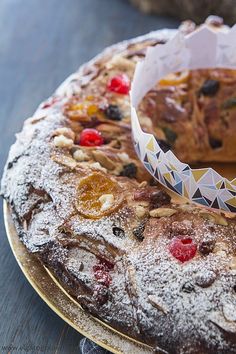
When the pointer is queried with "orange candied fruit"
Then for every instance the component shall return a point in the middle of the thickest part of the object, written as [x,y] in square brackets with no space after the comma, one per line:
[92,109]
[175,79]
[76,111]
[90,189]
[82,110]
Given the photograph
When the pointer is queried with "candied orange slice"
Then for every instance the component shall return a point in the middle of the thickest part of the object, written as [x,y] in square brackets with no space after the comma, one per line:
[92,193]
[175,78]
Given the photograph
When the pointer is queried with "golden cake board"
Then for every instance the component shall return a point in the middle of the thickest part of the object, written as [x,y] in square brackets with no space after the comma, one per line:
[48,288]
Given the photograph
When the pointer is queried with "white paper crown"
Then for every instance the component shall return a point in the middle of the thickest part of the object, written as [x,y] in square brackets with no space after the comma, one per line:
[201,49]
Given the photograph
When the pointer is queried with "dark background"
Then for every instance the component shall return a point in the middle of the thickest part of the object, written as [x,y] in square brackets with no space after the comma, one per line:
[41,43]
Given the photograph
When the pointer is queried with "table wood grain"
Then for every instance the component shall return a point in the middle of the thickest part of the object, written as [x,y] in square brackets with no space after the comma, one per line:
[41,43]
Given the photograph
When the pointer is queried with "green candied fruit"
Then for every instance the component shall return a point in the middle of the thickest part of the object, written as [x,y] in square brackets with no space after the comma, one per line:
[171,136]
[230,103]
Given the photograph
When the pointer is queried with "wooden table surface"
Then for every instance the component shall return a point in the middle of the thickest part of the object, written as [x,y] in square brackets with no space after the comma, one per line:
[41,43]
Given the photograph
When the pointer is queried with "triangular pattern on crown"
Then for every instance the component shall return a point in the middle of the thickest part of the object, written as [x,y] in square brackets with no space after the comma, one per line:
[204,48]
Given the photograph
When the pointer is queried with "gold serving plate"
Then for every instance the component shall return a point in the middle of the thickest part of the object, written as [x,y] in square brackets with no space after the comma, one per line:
[48,288]
[63,304]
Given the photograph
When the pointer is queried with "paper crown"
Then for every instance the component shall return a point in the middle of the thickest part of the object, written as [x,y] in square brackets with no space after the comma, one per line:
[202,49]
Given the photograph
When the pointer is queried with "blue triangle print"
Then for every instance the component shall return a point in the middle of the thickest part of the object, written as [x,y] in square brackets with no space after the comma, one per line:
[179,187]
[176,177]
[156,174]
[149,167]
[137,148]
[186,172]
[201,201]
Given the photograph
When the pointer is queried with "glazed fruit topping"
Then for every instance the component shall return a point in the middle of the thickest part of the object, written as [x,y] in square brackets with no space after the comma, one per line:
[102,277]
[129,170]
[157,198]
[91,189]
[119,84]
[210,87]
[175,78]
[101,272]
[188,287]
[139,230]
[113,112]
[205,278]
[106,264]
[215,143]
[118,231]
[206,247]
[183,248]
[91,137]
[85,109]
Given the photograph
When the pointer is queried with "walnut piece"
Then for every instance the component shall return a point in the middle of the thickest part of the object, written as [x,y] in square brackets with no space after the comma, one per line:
[123,157]
[140,211]
[80,155]
[63,142]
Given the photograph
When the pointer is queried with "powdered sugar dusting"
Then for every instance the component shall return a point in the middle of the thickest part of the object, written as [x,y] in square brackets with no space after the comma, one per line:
[181,307]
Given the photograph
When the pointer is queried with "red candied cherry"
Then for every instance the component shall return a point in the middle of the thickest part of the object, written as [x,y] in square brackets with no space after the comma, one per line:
[119,84]
[98,267]
[106,264]
[103,265]
[91,137]
[183,248]
[102,277]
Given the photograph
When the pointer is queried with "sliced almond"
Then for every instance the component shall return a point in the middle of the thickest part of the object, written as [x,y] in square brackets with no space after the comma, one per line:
[147,122]
[143,184]
[97,166]
[64,160]
[67,132]
[122,63]
[156,302]
[186,207]
[162,212]
[104,160]
[214,218]
[175,79]
[221,248]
